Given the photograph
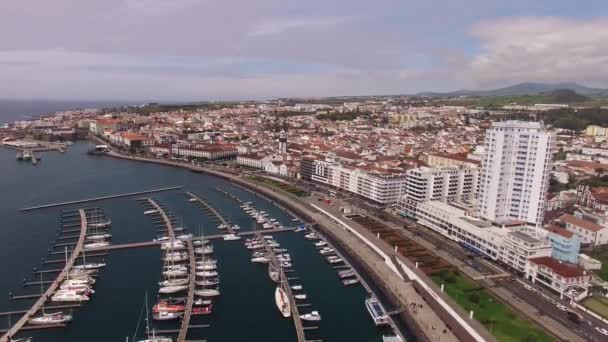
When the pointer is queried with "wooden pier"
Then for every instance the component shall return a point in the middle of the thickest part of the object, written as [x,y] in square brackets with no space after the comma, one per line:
[183,331]
[165,218]
[100,198]
[214,211]
[21,323]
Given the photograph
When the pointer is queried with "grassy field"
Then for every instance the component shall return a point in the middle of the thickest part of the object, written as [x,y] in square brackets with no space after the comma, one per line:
[281,186]
[599,305]
[500,320]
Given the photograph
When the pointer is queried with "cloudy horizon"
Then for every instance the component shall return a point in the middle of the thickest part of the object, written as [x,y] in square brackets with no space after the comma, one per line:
[189,50]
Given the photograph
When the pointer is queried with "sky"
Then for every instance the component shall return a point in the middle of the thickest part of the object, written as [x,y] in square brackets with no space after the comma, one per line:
[189,50]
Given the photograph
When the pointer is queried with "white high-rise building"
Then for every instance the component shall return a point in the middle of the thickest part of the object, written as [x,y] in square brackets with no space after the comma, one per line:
[515,170]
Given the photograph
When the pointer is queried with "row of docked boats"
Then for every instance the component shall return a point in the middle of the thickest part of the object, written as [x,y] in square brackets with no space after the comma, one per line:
[177,275]
[77,285]
[347,275]
[261,217]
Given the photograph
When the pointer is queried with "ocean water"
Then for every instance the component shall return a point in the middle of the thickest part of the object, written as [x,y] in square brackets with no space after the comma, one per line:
[244,311]
[12,110]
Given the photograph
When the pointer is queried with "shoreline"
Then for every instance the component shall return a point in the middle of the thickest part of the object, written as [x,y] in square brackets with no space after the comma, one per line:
[406,326]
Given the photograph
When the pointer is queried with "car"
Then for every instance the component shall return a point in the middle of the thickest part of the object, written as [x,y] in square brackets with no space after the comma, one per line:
[528,287]
[588,323]
[561,307]
[602,331]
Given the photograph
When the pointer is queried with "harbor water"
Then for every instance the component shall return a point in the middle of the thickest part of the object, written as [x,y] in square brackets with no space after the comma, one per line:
[244,311]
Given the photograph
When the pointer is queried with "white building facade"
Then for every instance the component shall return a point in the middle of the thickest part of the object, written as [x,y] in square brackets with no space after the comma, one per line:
[515,171]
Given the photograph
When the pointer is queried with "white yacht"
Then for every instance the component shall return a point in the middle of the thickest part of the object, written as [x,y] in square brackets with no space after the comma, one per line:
[313,316]
[230,237]
[207,292]
[172,289]
[282,302]
[69,296]
[51,318]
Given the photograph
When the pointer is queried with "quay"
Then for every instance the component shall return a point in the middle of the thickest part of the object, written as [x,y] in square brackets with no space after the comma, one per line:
[100,198]
[165,218]
[21,323]
[211,209]
[190,301]
[285,285]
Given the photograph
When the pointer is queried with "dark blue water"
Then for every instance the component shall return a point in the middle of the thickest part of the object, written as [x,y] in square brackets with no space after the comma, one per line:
[244,311]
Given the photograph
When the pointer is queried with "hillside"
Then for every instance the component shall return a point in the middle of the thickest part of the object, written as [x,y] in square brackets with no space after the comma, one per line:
[522,89]
[559,96]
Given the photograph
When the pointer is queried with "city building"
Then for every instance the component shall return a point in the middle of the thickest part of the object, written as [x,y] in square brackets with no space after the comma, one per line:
[380,186]
[590,233]
[566,245]
[515,171]
[510,245]
[210,152]
[444,184]
[252,160]
[594,131]
[567,279]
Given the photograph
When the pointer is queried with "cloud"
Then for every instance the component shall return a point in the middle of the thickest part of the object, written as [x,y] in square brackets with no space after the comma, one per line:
[281,25]
[547,49]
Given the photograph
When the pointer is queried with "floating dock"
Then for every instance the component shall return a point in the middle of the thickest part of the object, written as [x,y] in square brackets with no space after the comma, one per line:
[21,323]
[183,331]
[212,210]
[165,218]
[100,198]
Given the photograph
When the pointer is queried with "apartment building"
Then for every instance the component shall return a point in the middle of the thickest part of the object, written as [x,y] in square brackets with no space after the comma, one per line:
[384,188]
[448,183]
[512,245]
[211,152]
[566,245]
[515,171]
[590,233]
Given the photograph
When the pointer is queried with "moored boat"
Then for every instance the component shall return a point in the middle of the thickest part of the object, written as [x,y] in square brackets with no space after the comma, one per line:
[282,302]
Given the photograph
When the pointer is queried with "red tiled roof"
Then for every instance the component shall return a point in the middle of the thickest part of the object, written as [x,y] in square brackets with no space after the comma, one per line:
[560,231]
[588,225]
[564,269]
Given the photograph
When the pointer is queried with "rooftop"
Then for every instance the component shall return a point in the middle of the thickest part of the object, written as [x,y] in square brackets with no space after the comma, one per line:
[564,269]
[560,231]
[588,225]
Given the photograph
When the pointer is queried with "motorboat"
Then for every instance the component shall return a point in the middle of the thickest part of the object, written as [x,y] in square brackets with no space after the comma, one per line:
[150,212]
[206,274]
[301,296]
[207,282]
[296,287]
[184,237]
[200,302]
[273,273]
[320,243]
[104,224]
[172,289]
[376,311]
[313,316]
[69,296]
[262,259]
[100,244]
[352,281]
[285,264]
[202,310]
[231,237]
[50,319]
[98,237]
[209,267]
[346,273]
[176,257]
[174,282]
[204,250]
[166,316]
[175,273]
[164,306]
[311,236]
[90,266]
[172,245]
[282,302]
[207,292]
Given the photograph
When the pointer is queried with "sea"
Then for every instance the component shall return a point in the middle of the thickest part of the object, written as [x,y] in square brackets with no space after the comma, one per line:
[13,110]
[245,310]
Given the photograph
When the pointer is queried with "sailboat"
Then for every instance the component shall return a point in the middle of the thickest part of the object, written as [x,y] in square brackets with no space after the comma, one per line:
[152,337]
[281,300]
[206,292]
[49,318]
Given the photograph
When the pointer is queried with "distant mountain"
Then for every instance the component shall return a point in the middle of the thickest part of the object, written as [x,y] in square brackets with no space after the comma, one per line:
[521,89]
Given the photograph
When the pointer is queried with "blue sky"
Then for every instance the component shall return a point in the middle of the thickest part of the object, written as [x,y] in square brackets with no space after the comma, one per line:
[241,49]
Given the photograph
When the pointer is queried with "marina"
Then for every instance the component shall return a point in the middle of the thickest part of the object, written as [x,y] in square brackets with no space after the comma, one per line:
[133,242]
